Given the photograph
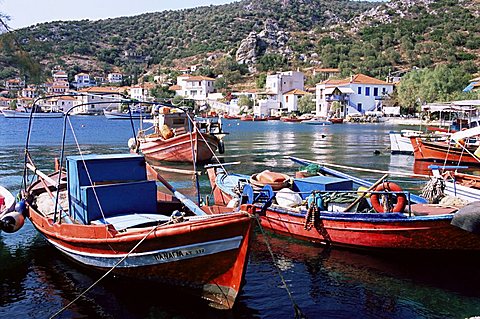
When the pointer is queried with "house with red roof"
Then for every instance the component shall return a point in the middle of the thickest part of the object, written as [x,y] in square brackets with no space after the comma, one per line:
[356,95]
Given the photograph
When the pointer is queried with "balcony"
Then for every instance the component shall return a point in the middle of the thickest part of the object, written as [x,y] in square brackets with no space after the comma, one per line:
[339,98]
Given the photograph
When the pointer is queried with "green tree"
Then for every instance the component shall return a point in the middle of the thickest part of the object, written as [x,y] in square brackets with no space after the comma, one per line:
[306,104]
[244,100]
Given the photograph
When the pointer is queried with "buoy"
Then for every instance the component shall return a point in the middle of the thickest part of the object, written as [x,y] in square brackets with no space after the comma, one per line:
[132,143]
[361,190]
[12,222]
[20,206]
[376,152]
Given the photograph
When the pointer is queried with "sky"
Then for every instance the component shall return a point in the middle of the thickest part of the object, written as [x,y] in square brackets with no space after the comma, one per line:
[25,13]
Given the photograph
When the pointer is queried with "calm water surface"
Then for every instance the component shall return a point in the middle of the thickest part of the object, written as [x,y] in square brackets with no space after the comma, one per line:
[35,281]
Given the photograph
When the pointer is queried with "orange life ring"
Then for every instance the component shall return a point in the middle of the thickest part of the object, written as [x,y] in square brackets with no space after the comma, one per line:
[389,187]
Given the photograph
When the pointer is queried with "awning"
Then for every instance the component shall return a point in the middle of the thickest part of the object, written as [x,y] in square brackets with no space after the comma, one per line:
[465,133]
[343,90]
[346,90]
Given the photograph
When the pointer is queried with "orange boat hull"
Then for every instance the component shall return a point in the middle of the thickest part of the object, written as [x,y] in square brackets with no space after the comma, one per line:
[438,151]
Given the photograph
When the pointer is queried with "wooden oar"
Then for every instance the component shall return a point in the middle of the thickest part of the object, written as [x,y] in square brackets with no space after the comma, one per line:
[186,201]
[366,192]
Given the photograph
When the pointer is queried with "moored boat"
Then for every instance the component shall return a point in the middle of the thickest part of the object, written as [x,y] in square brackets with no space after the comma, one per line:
[321,209]
[133,114]
[106,213]
[19,114]
[177,137]
[336,120]
[292,119]
[317,121]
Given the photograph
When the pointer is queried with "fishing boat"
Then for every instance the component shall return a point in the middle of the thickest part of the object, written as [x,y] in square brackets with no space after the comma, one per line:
[253,118]
[400,141]
[336,120]
[176,137]
[26,114]
[292,119]
[106,213]
[317,121]
[458,149]
[338,209]
[133,113]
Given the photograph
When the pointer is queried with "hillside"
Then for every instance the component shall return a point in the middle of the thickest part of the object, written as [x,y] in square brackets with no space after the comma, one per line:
[368,37]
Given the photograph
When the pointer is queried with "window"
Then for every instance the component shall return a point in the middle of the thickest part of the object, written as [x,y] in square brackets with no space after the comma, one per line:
[359,107]
[286,99]
[367,91]
[375,91]
[359,90]
[384,91]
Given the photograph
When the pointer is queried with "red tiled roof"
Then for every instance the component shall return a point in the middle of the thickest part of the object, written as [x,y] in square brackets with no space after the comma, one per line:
[296,92]
[199,78]
[175,88]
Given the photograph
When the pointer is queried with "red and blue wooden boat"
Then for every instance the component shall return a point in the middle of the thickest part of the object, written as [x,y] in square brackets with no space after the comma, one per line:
[110,217]
[416,225]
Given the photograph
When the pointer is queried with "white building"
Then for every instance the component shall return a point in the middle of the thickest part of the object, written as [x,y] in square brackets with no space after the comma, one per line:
[60,76]
[193,87]
[359,93]
[115,77]
[82,80]
[278,84]
[62,104]
[291,99]
[100,98]
[141,92]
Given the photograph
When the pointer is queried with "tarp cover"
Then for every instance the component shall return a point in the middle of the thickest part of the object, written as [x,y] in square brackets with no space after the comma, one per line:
[468,218]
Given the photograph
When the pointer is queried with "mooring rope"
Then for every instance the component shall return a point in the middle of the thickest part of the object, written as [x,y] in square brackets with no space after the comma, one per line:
[298,312]
[108,272]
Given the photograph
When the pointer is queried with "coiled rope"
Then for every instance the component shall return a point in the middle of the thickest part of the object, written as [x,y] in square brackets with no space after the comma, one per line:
[433,191]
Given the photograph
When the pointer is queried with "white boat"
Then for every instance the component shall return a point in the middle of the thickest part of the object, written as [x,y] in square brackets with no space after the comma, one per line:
[400,141]
[135,114]
[317,121]
[23,114]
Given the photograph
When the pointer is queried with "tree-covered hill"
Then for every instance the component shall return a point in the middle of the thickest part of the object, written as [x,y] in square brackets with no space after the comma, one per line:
[368,37]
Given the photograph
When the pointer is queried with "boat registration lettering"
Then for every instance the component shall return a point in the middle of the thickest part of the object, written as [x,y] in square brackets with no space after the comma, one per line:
[176,254]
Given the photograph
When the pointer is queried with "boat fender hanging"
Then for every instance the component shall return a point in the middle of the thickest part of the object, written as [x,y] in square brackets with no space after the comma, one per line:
[20,207]
[12,222]
[388,187]
[221,147]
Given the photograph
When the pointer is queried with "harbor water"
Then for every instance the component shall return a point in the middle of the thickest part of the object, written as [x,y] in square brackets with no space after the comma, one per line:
[36,281]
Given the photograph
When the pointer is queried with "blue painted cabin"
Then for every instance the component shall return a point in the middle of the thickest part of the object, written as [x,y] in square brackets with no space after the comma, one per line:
[113,184]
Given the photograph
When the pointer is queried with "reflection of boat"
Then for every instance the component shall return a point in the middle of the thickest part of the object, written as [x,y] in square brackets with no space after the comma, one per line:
[319,209]
[133,114]
[175,136]
[105,213]
[317,121]
[19,114]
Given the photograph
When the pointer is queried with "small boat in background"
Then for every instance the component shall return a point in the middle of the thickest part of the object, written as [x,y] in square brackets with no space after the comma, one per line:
[292,119]
[336,120]
[317,121]
[177,137]
[135,113]
[26,114]
[253,118]
[273,118]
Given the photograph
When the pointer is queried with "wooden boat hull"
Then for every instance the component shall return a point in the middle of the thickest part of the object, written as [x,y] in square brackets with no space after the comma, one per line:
[437,151]
[179,148]
[291,119]
[207,258]
[383,231]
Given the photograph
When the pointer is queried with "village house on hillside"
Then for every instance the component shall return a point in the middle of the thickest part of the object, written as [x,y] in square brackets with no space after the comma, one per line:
[83,80]
[357,94]
[193,87]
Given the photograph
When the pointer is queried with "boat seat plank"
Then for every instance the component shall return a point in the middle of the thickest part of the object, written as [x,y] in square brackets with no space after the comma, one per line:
[432,209]
[125,221]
